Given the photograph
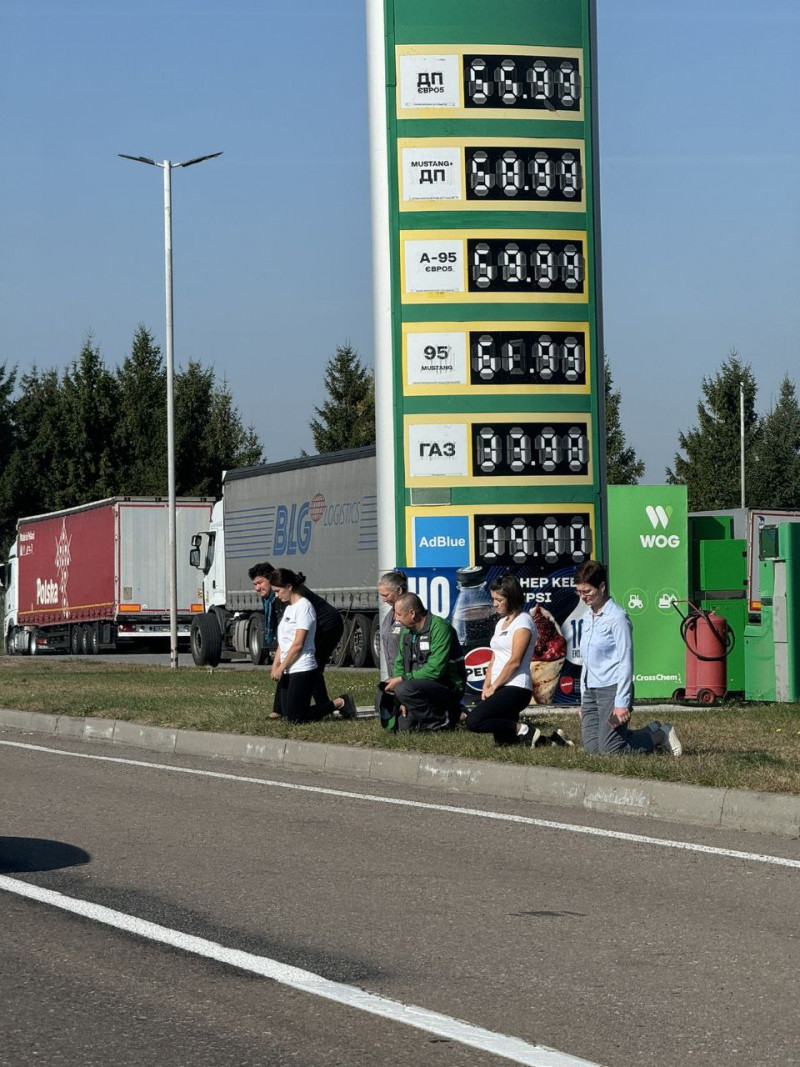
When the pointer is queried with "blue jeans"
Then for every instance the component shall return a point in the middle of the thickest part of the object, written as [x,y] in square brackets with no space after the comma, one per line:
[596,734]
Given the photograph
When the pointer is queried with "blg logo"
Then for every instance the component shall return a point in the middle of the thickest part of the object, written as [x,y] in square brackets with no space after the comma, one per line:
[659,517]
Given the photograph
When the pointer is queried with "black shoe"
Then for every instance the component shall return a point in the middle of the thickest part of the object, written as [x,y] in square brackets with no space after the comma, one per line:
[560,740]
[531,737]
[348,708]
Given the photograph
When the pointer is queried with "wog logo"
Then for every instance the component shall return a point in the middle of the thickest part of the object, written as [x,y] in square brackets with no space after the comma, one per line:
[659,516]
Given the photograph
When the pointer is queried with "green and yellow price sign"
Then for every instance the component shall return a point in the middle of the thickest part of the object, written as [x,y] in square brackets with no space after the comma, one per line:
[489,379]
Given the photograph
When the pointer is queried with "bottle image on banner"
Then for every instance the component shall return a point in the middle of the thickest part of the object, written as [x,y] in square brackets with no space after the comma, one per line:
[474,616]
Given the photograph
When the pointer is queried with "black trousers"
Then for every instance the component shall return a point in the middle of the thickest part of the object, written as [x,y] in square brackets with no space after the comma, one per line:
[430,705]
[499,713]
[323,650]
[293,695]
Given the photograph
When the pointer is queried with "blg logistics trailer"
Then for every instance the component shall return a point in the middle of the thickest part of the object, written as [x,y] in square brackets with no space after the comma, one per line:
[317,515]
[84,578]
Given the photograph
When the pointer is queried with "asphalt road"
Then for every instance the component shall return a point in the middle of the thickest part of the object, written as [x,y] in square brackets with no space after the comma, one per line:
[620,952]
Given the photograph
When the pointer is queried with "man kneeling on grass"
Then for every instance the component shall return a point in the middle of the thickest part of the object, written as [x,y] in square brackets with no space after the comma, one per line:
[430,676]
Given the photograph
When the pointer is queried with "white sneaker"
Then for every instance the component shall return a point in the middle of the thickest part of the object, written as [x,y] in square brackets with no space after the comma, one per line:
[665,737]
[671,743]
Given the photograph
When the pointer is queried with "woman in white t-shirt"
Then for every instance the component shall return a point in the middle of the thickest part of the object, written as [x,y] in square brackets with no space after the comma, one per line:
[295,666]
[507,687]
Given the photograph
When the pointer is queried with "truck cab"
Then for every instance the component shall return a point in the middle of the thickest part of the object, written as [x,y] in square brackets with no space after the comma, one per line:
[17,639]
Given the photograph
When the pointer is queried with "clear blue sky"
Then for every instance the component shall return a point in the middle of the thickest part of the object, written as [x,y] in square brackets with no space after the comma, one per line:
[700,178]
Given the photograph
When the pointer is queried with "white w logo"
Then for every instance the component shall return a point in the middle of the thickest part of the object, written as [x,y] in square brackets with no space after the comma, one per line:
[657,516]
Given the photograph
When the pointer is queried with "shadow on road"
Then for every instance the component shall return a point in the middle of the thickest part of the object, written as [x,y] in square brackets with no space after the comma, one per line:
[23,855]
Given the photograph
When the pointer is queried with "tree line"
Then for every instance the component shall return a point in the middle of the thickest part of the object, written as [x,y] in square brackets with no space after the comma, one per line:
[709,460]
[88,432]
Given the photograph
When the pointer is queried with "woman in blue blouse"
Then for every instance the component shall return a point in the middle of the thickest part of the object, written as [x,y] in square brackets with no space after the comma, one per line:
[607,674]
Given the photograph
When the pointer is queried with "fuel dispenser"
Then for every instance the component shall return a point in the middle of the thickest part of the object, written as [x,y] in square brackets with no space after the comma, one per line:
[772,637]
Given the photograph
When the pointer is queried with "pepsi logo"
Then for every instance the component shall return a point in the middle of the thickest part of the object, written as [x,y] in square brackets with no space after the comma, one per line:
[477,662]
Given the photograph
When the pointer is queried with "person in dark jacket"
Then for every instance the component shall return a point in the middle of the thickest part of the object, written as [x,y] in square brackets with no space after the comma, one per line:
[430,677]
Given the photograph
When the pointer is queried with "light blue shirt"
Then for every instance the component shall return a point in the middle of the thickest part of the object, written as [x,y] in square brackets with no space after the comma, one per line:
[607,652]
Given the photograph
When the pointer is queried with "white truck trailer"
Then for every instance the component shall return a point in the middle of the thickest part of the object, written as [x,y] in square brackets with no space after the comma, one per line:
[317,515]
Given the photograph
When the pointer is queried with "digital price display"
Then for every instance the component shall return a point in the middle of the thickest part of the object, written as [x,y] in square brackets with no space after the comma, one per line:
[558,539]
[497,81]
[521,174]
[519,266]
[514,357]
[559,448]
[539,265]
[528,82]
[496,357]
[498,449]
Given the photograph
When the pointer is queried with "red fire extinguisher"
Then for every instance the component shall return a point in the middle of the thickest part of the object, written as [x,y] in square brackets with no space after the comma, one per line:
[708,640]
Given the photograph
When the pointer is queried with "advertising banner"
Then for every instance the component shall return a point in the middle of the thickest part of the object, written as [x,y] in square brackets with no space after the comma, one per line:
[461,595]
[648,565]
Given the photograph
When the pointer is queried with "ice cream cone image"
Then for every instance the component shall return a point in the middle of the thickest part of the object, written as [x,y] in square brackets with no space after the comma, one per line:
[549,656]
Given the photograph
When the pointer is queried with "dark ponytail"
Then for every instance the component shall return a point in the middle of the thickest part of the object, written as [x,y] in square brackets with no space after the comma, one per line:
[282,578]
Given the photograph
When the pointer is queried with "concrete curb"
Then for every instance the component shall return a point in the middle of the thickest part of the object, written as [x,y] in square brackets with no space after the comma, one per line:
[730,809]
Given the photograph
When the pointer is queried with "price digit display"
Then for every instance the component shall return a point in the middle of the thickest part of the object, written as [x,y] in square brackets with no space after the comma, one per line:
[530,448]
[525,265]
[522,82]
[555,540]
[530,174]
[527,357]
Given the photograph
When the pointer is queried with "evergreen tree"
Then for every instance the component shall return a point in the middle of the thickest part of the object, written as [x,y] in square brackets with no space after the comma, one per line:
[142,424]
[347,418]
[229,445]
[209,435]
[776,483]
[8,443]
[91,406]
[710,468]
[37,469]
[622,465]
[194,390]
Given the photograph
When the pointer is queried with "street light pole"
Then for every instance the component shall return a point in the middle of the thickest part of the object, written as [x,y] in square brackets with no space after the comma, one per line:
[172,538]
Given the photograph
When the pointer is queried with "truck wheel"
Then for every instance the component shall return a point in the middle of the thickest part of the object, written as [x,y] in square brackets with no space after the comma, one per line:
[359,641]
[205,641]
[375,640]
[32,649]
[85,639]
[255,640]
[75,640]
[94,639]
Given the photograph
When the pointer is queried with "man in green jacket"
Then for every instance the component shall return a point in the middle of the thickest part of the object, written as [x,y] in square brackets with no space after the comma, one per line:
[429,670]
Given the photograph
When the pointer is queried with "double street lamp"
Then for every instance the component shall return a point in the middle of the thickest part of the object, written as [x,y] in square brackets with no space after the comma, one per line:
[167,166]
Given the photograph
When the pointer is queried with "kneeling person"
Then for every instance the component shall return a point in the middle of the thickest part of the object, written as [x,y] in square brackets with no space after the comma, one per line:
[429,670]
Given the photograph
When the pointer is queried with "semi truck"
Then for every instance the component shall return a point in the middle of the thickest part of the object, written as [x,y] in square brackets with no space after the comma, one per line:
[317,515]
[88,578]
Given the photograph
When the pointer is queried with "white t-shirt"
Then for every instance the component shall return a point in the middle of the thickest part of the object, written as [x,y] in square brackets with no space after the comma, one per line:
[501,646]
[298,616]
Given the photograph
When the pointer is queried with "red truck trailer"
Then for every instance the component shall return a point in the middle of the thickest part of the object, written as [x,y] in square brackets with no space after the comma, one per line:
[84,578]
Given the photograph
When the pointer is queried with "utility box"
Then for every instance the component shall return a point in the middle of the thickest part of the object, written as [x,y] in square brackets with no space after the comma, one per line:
[772,641]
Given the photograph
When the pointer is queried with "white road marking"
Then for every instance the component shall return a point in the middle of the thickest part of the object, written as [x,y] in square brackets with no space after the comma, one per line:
[497,816]
[432,1022]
